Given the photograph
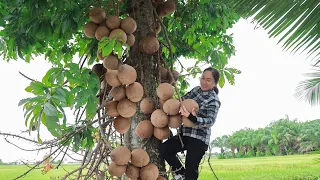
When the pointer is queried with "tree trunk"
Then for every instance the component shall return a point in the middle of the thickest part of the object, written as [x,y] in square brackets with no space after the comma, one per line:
[146,67]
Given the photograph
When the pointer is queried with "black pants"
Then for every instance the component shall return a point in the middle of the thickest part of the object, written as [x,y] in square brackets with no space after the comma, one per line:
[195,151]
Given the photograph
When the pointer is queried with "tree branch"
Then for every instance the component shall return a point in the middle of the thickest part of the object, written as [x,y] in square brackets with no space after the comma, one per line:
[166,36]
[63,157]
[26,76]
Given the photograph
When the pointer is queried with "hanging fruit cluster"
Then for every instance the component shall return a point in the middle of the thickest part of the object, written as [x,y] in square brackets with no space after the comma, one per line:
[166,116]
[135,164]
[126,92]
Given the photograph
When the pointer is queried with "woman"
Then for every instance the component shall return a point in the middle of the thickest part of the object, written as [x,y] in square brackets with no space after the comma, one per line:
[196,140]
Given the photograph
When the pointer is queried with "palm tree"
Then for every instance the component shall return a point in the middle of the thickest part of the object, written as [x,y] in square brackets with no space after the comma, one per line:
[309,89]
[297,24]
[220,142]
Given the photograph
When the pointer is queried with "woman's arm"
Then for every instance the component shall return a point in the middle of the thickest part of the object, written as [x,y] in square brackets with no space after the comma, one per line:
[212,111]
[211,114]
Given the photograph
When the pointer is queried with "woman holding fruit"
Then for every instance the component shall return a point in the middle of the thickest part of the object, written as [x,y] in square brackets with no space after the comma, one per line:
[195,138]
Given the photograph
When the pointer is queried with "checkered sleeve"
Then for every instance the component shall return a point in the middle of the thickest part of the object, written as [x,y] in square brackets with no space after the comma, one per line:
[212,111]
[190,94]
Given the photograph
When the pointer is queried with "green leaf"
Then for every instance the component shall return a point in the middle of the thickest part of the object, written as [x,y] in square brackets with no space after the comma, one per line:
[94,82]
[53,126]
[44,119]
[60,77]
[64,115]
[221,80]
[118,49]
[39,139]
[28,89]
[22,101]
[81,99]
[106,51]
[50,110]
[91,107]
[60,96]
[47,76]
[84,143]
[76,142]
[28,116]
[38,88]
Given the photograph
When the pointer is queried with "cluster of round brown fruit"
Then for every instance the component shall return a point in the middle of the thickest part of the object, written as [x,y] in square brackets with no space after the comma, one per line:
[135,164]
[126,93]
[166,116]
[113,27]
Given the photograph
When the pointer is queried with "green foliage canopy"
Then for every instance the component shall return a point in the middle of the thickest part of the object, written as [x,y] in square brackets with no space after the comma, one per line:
[54,29]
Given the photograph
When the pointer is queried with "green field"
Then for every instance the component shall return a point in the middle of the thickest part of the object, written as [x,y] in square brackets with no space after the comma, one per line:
[280,167]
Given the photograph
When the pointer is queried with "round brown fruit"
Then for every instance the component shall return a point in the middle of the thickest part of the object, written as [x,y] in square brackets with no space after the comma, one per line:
[113,22]
[163,73]
[111,108]
[128,25]
[121,124]
[115,170]
[118,93]
[165,91]
[118,34]
[175,121]
[149,172]
[101,32]
[126,108]
[120,155]
[187,122]
[149,44]
[161,133]
[169,6]
[144,129]
[171,106]
[159,118]
[90,29]
[98,70]
[130,40]
[132,172]
[112,78]
[97,15]
[161,11]
[190,104]
[127,74]
[147,106]
[139,157]
[111,62]
[134,92]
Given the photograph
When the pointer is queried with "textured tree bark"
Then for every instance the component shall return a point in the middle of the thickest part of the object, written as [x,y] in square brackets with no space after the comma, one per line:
[146,66]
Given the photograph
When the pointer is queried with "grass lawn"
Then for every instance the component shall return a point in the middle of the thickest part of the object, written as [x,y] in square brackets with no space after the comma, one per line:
[281,167]
[274,167]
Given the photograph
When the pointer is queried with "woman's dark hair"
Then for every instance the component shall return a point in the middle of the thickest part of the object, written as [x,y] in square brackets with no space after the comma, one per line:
[216,77]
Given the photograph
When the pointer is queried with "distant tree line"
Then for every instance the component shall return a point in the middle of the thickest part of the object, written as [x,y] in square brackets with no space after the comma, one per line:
[281,137]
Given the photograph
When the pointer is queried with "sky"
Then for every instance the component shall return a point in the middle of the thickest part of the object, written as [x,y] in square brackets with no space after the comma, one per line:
[262,93]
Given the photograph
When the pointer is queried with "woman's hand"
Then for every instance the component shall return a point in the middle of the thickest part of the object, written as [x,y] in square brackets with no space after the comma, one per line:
[185,112]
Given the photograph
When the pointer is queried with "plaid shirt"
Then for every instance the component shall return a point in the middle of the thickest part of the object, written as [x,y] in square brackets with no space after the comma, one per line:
[209,105]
